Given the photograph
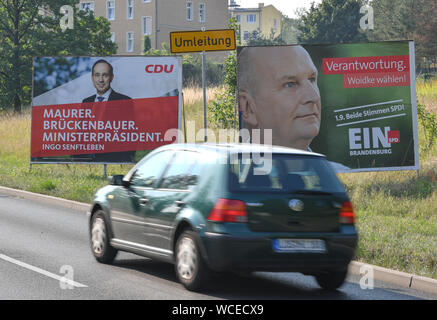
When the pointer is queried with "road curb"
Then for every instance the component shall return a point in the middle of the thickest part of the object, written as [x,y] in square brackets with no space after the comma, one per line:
[399,278]
[403,279]
[46,199]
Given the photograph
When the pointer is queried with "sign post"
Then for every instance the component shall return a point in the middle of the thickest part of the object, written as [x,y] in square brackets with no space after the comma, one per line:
[202,41]
[204,93]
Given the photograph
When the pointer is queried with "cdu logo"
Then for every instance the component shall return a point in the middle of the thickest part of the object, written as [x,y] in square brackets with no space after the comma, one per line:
[159,68]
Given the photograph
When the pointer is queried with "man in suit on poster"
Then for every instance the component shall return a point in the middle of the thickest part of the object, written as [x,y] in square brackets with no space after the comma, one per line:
[277,91]
[102,75]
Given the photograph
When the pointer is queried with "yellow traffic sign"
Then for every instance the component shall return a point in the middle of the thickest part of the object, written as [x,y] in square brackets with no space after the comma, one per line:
[197,41]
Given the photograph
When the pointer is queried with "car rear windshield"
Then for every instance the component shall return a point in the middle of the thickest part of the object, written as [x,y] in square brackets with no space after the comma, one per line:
[283,173]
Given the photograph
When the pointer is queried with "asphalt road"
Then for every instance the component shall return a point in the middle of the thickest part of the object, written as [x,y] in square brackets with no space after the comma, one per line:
[41,245]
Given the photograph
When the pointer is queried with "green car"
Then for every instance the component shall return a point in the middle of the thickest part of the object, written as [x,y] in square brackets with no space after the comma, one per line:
[234,207]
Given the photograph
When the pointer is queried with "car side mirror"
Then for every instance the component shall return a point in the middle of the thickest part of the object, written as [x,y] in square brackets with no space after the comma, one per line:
[116,180]
[126,183]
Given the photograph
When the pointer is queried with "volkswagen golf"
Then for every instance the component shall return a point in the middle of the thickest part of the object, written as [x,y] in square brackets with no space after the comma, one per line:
[234,207]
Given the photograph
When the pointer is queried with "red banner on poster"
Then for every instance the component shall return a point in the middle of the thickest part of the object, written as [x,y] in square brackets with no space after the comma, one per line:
[102,127]
[351,65]
[368,72]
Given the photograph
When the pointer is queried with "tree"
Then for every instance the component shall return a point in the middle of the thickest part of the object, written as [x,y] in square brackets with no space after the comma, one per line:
[289,30]
[32,28]
[257,39]
[407,19]
[147,44]
[331,21]
[222,110]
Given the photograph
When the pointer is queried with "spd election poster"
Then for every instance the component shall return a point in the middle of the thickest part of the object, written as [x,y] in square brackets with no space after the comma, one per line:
[103,109]
[361,97]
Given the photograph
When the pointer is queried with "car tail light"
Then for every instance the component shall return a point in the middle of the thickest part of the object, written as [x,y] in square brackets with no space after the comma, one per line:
[226,210]
[347,215]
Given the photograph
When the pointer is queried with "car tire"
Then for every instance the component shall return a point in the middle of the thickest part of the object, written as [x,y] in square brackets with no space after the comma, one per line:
[331,280]
[190,266]
[99,239]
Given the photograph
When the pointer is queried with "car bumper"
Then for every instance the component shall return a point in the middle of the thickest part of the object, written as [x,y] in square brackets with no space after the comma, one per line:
[224,252]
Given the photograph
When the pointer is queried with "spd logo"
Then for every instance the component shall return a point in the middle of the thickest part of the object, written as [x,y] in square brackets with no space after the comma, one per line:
[394,136]
[159,68]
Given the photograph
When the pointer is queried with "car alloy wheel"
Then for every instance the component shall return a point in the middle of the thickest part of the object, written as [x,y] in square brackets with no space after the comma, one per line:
[190,267]
[98,236]
[101,248]
[187,258]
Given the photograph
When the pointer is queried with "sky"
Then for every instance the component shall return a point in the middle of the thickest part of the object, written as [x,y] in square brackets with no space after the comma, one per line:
[287,7]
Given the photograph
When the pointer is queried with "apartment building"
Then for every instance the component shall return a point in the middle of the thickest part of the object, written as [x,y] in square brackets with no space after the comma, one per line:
[264,19]
[131,20]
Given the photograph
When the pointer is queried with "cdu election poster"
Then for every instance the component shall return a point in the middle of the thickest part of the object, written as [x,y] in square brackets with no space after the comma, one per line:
[103,109]
[354,103]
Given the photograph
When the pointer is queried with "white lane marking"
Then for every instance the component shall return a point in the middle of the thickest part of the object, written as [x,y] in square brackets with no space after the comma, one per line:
[44,272]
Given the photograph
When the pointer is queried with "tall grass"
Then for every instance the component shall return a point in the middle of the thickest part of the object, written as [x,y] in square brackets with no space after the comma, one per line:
[193,105]
[427,93]
[396,210]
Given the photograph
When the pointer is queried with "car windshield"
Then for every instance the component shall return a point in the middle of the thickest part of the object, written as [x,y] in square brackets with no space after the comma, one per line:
[283,173]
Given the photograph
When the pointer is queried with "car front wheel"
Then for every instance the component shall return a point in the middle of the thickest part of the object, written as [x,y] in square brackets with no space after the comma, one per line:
[100,246]
[190,267]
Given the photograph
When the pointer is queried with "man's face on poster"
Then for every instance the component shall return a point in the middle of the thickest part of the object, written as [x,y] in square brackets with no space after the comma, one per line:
[282,95]
[102,77]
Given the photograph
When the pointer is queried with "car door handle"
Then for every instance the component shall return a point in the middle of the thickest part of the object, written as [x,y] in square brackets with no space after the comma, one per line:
[179,203]
[144,201]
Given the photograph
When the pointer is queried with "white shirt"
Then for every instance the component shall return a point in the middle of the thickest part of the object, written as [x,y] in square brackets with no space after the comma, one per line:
[105,96]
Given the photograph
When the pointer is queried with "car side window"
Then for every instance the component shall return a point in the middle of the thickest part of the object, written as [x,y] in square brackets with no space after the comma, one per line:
[149,171]
[183,173]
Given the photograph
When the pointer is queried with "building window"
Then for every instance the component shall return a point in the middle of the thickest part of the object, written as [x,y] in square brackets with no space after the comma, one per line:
[275,24]
[87,6]
[147,26]
[147,1]
[113,36]
[238,18]
[189,11]
[251,18]
[130,9]
[202,12]
[130,42]
[110,10]
[246,35]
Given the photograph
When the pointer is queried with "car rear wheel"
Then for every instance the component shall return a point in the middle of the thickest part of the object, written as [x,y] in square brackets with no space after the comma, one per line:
[100,246]
[190,267]
[331,280]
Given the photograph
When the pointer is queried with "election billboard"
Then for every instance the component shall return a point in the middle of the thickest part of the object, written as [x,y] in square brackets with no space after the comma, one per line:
[103,109]
[354,103]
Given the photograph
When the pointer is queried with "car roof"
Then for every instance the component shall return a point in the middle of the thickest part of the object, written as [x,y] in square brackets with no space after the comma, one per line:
[238,148]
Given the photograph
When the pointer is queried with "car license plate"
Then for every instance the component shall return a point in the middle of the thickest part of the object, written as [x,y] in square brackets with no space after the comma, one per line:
[299,245]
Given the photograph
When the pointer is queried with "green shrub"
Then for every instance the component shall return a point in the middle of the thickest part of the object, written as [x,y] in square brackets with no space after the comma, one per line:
[429,124]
